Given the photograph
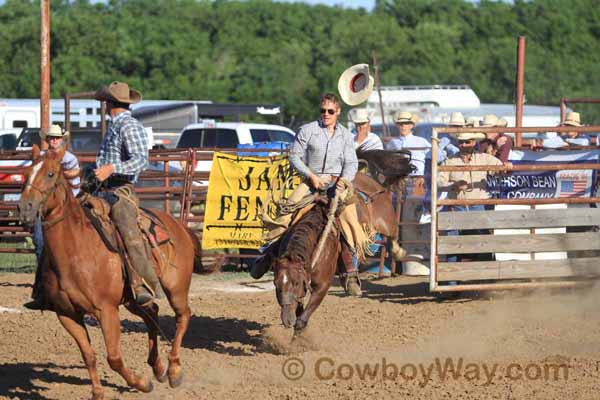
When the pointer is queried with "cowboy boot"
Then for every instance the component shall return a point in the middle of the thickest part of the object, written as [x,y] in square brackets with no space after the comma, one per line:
[349,279]
[124,215]
[37,294]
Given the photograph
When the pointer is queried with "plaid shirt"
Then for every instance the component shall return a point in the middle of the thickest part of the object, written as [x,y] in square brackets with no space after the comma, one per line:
[314,152]
[125,146]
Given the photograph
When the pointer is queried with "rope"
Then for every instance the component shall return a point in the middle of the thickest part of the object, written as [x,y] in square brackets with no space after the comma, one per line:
[330,218]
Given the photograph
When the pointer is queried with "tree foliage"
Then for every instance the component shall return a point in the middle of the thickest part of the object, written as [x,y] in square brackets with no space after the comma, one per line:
[262,51]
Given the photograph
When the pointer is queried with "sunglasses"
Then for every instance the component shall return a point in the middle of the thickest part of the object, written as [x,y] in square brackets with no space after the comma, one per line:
[464,141]
[329,111]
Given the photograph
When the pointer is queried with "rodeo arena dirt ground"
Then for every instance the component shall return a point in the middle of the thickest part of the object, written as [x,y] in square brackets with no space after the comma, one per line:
[397,341]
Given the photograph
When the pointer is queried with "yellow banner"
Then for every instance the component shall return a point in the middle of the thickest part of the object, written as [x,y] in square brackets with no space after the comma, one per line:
[237,189]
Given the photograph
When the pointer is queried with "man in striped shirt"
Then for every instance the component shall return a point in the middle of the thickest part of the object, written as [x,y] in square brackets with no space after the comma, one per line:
[122,157]
[323,153]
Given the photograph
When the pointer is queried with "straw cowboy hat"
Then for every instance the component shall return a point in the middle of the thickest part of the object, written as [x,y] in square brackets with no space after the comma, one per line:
[470,136]
[489,120]
[402,117]
[355,84]
[472,121]
[502,123]
[118,92]
[456,119]
[573,119]
[360,115]
[55,131]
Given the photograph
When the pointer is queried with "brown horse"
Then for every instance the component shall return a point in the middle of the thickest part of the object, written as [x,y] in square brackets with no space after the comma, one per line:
[83,277]
[375,209]
[292,267]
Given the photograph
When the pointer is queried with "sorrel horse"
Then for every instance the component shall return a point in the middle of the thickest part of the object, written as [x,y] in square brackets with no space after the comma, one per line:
[83,277]
[293,253]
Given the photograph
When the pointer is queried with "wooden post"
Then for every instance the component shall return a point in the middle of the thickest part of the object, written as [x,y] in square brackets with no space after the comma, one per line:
[386,133]
[519,88]
[433,252]
[44,68]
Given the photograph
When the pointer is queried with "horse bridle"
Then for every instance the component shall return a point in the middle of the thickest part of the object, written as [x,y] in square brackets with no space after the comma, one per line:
[45,194]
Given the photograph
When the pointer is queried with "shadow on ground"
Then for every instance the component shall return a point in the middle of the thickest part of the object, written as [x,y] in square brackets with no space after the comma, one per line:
[29,381]
[232,336]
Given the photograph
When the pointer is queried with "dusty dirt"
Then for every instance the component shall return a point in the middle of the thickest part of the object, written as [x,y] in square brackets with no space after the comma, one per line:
[392,343]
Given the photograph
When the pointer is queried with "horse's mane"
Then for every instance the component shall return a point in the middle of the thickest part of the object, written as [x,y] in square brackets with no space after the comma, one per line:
[300,242]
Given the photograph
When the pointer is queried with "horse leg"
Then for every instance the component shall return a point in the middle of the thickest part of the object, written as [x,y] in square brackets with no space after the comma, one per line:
[316,297]
[76,328]
[111,329]
[179,303]
[150,317]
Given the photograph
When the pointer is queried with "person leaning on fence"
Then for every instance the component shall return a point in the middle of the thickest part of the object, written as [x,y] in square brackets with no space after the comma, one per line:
[574,138]
[413,197]
[323,154]
[496,144]
[467,185]
[122,157]
[54,137]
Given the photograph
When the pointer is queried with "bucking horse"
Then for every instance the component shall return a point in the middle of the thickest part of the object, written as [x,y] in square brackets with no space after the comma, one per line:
[299,268]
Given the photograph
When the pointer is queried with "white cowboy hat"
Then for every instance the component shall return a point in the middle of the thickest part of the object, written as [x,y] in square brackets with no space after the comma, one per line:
[472,121]
[118,92]
[489,120]
[360,115]
[355,84]
[470,136]
[573,119]
[456,119]
[405,116]
[55,131]
[503,123]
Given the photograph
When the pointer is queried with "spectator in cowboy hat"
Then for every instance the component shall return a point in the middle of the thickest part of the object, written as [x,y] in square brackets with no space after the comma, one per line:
[457,120]
[573,137]
[414,195]
[467,184]
[54,138]
[364,140]
[497,144]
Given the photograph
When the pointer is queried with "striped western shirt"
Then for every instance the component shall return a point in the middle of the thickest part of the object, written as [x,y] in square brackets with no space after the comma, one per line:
[314,151]
[125,146]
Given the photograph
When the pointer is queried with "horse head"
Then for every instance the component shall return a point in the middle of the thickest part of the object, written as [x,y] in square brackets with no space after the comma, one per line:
[41,180]
[291,285]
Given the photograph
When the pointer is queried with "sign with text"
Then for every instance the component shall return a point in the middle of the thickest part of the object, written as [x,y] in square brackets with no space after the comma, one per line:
[238,188]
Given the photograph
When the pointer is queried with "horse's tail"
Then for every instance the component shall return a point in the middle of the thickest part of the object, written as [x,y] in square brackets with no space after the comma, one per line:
[198,265]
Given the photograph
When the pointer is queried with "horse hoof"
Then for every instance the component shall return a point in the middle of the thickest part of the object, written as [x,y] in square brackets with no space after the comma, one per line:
[176,381]
[146,386]
[161,377]
[299,326]
[98,396]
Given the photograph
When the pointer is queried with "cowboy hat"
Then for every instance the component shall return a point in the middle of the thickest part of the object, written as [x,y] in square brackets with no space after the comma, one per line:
[118,92]
[489,120]
[472,121]
[355,84]
[456,119]
[502,123]
[470,136]
[402,117]
[54,131]
[359,115]
[573,119]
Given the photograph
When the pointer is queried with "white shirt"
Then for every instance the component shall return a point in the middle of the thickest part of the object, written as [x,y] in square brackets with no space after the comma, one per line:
[371,142]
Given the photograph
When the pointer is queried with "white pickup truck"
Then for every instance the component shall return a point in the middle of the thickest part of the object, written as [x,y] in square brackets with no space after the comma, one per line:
[228,135]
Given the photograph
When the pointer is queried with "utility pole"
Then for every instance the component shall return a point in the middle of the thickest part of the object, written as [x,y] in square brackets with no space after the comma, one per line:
[386,133]
[44,67]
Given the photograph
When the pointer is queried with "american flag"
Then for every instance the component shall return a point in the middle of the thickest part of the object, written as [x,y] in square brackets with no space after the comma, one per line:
[573,187]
